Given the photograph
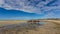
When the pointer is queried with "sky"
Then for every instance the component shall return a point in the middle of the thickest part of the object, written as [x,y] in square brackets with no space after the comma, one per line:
[29,9]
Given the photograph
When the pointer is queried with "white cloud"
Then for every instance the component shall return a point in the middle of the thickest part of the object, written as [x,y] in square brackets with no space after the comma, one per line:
[52,14]
[1,1]
[23,5]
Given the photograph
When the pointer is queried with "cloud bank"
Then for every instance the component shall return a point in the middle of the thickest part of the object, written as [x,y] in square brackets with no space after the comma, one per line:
[31,6]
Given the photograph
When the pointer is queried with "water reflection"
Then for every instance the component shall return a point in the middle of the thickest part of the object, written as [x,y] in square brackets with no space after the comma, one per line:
[24,25]
[41,23]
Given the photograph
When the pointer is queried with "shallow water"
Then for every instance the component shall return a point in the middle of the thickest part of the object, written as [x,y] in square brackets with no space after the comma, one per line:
[23,25]
[41,23]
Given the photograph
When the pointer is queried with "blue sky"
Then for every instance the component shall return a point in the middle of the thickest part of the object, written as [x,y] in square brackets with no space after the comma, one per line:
[15,14]
[26,10]
[21,15]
